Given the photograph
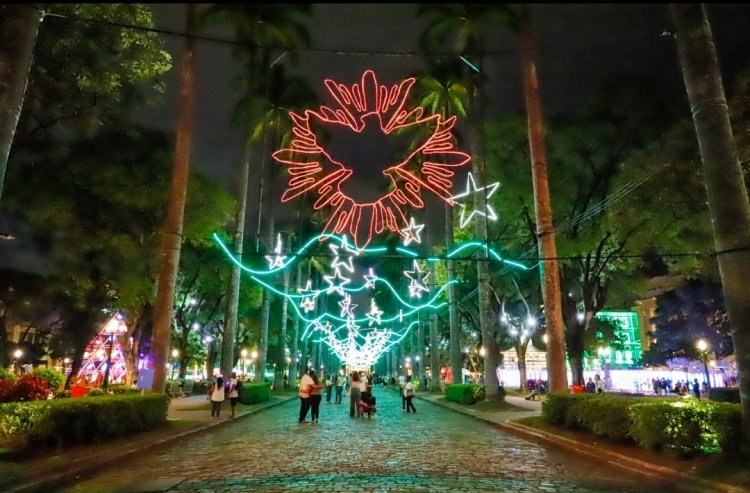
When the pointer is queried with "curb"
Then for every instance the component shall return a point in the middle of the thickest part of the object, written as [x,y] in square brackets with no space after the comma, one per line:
[608,457]
[91,464]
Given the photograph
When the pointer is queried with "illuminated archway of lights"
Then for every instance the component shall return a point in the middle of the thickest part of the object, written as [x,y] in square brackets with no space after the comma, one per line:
[429,167]
[355,348]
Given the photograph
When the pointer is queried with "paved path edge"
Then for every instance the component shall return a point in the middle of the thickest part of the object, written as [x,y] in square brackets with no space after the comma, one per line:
[91,464]
[602,455]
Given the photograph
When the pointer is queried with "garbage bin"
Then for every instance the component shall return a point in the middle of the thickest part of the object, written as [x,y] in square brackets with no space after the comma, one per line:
[578,389]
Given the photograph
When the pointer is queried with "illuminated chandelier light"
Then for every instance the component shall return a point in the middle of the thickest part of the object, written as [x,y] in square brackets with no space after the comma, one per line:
[429,167]
[468,196]
[411,232]
[356,349]
[276,261]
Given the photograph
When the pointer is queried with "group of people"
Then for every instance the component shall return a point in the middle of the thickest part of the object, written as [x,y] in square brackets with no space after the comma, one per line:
[357,386]
[595,385]
[221,391]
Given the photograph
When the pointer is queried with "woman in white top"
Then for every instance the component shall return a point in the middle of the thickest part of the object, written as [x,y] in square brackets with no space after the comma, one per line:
[234,393]
[217,397]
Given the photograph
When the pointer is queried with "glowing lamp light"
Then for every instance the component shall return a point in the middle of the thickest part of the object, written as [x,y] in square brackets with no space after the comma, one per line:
[244,353]
[175,353]
[254,354]
[481,351]
[702,345]
[17,353]
[531,321]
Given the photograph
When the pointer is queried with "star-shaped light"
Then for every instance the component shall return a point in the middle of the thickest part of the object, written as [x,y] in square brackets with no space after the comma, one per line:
[370,279]
[374,314]
[308,301]
[471,189]
[276,260]
[336,286]
[411,232]
[418,280]
[347,264]
[347,306]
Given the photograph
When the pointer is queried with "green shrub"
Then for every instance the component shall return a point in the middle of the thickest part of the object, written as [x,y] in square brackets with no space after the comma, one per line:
[7,374]
[464,393]
[725,394]
[253,393]
[96,392]
[561,409]
[605,415]
[687,426]
[70,421]
[16,418]
[54,378]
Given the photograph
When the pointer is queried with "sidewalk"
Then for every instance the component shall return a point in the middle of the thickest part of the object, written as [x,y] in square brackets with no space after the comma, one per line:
[506,420]
[186,417]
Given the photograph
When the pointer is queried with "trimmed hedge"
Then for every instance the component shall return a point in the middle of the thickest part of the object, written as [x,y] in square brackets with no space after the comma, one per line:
[724,394]
[69,421]
[686,426]
[253,393]
[464,393]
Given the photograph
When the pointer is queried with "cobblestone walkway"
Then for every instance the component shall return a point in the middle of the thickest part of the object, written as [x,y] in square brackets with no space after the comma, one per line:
[433,450]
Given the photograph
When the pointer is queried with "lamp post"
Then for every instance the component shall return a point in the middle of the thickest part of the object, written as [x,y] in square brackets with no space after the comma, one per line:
[244,362]
[114,328]
[17,362]
[175,354]
[702,347]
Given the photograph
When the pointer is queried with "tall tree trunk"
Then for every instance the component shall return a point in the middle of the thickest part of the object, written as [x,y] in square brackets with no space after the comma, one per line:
[281,353]
[19,25]
[455,335]
[725,184]
[434,341]
[295,338]
[486,317]
[232,307]
[521,353]
[265,319]
[172,239]
[549,270]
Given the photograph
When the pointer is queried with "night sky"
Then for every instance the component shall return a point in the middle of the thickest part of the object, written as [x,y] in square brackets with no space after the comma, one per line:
[579,43]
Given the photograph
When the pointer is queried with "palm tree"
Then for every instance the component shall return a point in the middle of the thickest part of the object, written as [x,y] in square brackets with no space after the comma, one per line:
[19,24]
[444,93]
[727,195]
[462,29]
[172,240]
[257,27]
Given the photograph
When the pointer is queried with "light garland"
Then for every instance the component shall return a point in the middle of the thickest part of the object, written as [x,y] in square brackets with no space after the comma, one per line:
[471,189]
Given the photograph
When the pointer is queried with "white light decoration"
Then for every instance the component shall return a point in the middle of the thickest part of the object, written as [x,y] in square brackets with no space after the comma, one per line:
[337,262]
[347,306]
[370,280]
[374,314]
[357,350]
[418,280]
[336,286]
[276,260]
[411,232]
[308,302]
[471,189]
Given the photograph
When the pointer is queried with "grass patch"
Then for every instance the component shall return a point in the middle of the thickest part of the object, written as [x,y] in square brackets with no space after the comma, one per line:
[726,468]
[489,406]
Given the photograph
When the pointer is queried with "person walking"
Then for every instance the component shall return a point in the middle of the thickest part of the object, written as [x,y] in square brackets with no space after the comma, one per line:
[339,383]
[354,394]
[305,387]
[217,397]
[401,385]
[315,397]
[234,392]
[409,393]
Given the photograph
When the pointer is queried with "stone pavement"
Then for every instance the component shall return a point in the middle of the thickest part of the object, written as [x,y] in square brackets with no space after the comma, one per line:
[432,450]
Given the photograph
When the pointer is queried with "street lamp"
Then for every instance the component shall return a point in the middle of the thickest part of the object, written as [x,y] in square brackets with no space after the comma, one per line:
[702,347]
[175,354]
[114,328]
